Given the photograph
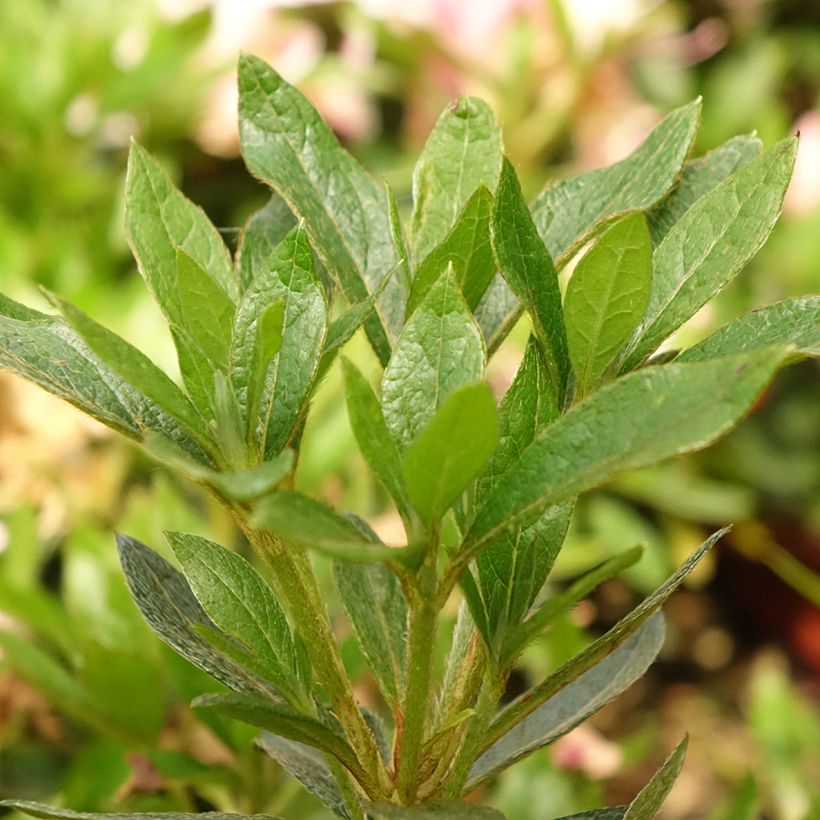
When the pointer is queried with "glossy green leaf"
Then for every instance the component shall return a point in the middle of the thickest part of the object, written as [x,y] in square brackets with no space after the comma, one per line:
[527,267]
[133,366]
[374,601]
[698,178]
[158,220]
[171,609]
[282,720]
[451,450]
[463,151]
[309,523]
[567,212]
[375,442]
[265,229]
[45,350]
[286,143]
[606,299]
[792,321]
[308,766]
[573,703]
[715,238]
[467,247]
[651,797]
[434,810]
[439,350]
[240,603]
[636,421]
[45,812]
[271,389]
[574,669]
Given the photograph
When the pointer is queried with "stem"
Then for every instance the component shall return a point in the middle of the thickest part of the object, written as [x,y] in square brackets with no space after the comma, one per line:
[299,586]
[423,618]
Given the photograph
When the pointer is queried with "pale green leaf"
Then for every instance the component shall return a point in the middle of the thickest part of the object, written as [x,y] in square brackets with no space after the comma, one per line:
[44,812]
[792,321]
[287,144]
[463,151]
[651,797]
[606,299]
[713,241]
[527,267]
[451,450]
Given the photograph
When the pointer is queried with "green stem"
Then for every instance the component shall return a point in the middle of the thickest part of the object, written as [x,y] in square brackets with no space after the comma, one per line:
[423,619]
[301,590]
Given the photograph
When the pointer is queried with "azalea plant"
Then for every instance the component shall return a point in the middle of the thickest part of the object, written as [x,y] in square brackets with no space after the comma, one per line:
[485,488]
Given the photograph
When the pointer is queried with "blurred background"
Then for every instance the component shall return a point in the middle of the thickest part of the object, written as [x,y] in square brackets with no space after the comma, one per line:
[93,710]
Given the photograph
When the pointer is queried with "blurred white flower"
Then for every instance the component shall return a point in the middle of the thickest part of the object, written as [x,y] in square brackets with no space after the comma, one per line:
[803,195]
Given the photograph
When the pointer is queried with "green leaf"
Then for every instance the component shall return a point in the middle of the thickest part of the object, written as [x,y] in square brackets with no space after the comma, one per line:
[309,523]
[439,350]
[207,311]
[308,766]
[434,810]
[45,812]
[568,212]
[606,299]
[614,813]
[497,312]
[272,389]
[651,797]
[285,721]
[254,482]
[240,603]
[698,178]
[574,703]
[574,669]
[49,353]
[716,237]
[792,321]
[373,599]
[133,366]
[375,442]
[467,247]
[463,151]
[158,220]
[451,450]
[287,144]
[265,229]
[526,265]
[171,609]
[399,238]
[636,421]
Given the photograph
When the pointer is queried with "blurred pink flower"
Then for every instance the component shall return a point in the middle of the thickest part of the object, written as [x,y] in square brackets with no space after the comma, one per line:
[587,751]
[803,195]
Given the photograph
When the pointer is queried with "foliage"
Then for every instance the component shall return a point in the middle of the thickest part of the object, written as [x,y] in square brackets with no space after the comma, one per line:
[591,400]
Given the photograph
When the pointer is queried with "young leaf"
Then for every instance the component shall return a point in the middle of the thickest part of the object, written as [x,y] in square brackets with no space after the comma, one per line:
[375,442]
[575,668]
[287,144]
[700,176]
[792,321]
[715,238]
[240,603]
[573,703]
[467,247]
[568,212]
[433,810]
[48,352]
[373,599]
[271,389]
[253,483]
[463,151]
[439,350]
[265,229]
[133,366]
[302,520]
[308,766]
[526,265]
[168,604]
[606,299]
[44,812]
[646,805]
[158,220]
[451,450]
[399,239]
[625,426]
